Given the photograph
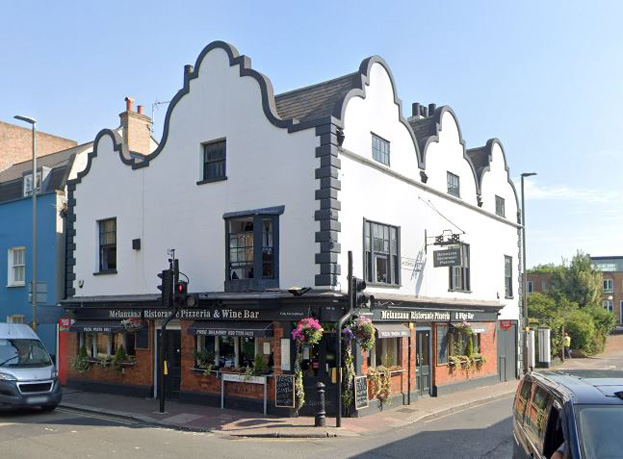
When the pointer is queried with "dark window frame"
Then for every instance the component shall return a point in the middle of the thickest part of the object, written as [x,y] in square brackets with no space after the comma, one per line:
[206,176]
[380,154]
[461,272]
[454,189]
[106,248]
[259,262]
[508,276]
[392,255]
[500,206]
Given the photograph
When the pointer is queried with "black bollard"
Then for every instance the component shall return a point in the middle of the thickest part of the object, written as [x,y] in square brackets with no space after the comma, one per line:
[321,415]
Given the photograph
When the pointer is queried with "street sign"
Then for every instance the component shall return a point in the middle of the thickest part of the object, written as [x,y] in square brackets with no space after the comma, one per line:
[447,257]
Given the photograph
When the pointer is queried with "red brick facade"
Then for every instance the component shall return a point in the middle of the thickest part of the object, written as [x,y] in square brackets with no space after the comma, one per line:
[16,144]
[446,374]
[195,382]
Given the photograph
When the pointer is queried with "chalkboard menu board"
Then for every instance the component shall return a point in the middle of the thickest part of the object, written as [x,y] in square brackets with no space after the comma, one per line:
[284,391]
[361,392]
[142,338]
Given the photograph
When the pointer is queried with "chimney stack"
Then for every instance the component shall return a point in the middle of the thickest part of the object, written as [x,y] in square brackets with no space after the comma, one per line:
[431,109]
[129,104]
[415,109]
[136,129]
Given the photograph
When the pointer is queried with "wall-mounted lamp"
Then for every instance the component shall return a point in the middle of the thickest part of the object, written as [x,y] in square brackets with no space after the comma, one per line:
[299,291]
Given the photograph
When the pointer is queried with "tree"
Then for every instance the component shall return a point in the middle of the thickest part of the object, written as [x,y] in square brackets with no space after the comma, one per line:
[579,282]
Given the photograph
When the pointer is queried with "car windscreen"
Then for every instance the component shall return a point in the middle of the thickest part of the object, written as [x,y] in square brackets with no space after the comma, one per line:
[18,353]
[600,430]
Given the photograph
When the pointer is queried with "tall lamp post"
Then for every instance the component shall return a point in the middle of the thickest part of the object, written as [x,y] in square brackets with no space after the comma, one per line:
[524,278]
[33,288]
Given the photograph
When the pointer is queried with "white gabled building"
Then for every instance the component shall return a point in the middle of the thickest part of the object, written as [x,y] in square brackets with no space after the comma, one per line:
[260,193]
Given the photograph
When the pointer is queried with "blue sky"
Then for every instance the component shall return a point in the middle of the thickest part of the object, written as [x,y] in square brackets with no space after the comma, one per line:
[544,77]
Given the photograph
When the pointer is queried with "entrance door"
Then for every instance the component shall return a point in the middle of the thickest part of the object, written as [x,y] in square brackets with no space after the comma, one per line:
[173,356]
[507,350]
[422,362]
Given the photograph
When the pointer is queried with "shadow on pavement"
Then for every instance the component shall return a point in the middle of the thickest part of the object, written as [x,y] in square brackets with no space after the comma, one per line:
[495,441]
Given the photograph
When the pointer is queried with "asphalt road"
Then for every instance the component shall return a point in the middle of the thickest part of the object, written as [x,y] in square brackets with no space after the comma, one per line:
[479,432]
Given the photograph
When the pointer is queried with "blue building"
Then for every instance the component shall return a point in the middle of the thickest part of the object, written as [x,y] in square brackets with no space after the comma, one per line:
[53,171]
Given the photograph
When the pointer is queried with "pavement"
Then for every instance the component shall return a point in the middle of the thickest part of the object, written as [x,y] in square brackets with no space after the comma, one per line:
[226,422]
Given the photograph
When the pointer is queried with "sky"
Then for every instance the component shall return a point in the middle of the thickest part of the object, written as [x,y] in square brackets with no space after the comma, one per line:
[544,77]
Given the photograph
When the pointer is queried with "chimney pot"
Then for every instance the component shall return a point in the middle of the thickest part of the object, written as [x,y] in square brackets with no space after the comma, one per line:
[415,109]
[424,112]
[431,109]
[140,109]
[129,104]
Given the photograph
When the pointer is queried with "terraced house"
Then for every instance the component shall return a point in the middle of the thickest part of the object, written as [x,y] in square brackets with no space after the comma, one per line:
[263,196]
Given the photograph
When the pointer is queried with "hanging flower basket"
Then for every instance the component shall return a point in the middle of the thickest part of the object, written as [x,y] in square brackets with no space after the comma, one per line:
[132,325]
[465,329]
[308,332]
[364,332]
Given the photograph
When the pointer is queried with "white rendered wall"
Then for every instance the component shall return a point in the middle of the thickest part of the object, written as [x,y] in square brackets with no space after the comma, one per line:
[163,206]
[370,190]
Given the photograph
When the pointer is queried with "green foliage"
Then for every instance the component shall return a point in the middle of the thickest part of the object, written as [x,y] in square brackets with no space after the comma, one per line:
[547,268]
[469,349]
[579,282]
[348,393]
[298,372]
[119,358]
[259,365]
[81,362]
[581,329]
[604,324]
[205,360]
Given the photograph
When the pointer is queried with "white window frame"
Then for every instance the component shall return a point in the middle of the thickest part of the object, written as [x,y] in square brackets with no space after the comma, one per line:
[530,286]
[608,285]
[385,342]
[16,319]
[11,282]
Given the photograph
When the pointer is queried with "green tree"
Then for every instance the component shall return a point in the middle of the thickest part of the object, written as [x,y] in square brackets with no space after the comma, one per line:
[579,282]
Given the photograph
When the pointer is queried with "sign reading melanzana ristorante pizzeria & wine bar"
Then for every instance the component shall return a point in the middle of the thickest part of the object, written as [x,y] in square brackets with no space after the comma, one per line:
[417,315]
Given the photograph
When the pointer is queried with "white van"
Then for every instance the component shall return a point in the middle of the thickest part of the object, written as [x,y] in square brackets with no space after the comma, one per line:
[28,377]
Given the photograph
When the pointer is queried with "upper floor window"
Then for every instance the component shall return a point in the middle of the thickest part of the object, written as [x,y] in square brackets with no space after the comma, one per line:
[508,277]
[214,155]
[382,252]
[380,150]
[459,275]
[17,267]
[500,206]
[608,285]
[530,286]
[107,245]
[253,250]
[454,185]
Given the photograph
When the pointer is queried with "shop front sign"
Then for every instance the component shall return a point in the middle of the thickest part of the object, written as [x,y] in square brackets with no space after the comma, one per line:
[447,257]
[327,313]
[418,315]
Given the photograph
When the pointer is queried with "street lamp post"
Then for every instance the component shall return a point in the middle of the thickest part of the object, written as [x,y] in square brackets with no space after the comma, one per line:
[33,288]
[524,278]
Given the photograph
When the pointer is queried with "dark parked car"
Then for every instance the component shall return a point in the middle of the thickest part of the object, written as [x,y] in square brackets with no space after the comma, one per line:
[583,408]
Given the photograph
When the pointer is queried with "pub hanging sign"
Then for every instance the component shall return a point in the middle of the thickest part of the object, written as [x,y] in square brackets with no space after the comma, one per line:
[447,257]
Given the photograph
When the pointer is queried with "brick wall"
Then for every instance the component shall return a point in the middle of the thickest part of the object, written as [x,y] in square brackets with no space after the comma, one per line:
[16,144]
[140,374]
[444,375]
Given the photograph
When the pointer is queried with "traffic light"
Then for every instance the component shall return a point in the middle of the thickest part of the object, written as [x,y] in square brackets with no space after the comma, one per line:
[166,287]
[180,292]
[359,297]
[182,298]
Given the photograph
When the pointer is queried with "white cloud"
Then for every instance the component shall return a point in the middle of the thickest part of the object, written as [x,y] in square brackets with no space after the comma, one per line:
[564,192]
